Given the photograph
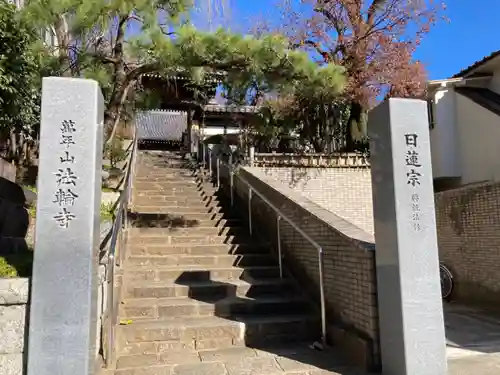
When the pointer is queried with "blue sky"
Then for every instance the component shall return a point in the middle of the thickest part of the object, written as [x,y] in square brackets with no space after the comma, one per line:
[471,33]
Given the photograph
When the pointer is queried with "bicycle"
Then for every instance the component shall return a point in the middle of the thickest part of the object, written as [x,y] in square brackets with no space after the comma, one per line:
[447,282]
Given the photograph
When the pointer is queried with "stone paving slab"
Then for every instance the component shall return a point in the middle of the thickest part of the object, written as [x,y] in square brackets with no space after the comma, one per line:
[296,360]
[475,365]
[289,360]
[471,331]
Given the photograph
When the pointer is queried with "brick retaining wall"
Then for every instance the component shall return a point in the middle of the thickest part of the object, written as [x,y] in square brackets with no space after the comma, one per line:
[347,192]
[468,220]
[468,226]
[350,281]
[13,328]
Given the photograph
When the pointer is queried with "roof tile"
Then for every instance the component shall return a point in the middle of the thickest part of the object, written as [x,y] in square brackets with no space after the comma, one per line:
[161,125]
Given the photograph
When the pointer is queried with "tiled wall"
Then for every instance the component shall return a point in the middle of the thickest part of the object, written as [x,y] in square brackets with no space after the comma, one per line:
[468,223]
[349,262]
[346,191]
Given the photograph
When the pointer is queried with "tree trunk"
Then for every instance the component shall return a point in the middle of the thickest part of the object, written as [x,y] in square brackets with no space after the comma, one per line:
[354,126]
[190,130]
[111,120]
[13,147]
[318,145]
[63,40]
[120,84]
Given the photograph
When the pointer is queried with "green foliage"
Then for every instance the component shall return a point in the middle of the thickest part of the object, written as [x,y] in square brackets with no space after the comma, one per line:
[32,207]
[107,213]
[319,118]
[17,264]
[94,43]
[19,75]
[6,269]
[115,152]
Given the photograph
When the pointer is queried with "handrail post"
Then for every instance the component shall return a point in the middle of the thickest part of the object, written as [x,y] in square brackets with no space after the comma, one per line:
[280,258]
[218,173]
[281,216]
[231,179]
[125,223]
[204,156]
[322,295]
[250,210]
[210,163]
[110,307]
[117,244]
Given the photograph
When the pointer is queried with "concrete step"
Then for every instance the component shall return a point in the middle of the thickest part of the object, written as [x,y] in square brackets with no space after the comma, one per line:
[154,220]
[169,201]
[159,171]
[189,192]
[198,231]
[194,218]
[205,289]
[162,172]
[246,260]
[163,168]
[191,239]
[162,308]
[217,332]
[166,197]
[180,185]
[179,210]
[212,249]
[168,178]
[192,274]
[181,179]
[179,201]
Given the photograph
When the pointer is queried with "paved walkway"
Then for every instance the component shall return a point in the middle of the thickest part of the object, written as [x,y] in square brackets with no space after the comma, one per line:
[290,360]
[471,331]
[473,340]
[482,364]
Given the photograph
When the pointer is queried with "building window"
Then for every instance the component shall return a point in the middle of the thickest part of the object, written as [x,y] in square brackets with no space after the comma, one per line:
[430,113]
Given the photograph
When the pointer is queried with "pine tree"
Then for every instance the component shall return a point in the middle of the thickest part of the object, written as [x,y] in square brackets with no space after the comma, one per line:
[117,41]
[19,83]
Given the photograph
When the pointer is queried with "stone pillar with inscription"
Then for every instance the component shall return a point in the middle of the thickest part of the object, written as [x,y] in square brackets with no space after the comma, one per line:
[412,336]
[62,335]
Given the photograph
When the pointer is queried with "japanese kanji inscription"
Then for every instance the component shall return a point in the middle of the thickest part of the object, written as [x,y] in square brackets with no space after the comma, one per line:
[413,175]
[66,179]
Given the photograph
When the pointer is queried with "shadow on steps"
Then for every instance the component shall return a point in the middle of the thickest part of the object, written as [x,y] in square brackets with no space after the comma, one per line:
[275,323]
[151,220]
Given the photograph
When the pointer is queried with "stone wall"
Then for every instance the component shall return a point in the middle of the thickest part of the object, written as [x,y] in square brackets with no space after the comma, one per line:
[14,224]
[7,170]
[347,192]
[13,327]
[468,223]
[349,261]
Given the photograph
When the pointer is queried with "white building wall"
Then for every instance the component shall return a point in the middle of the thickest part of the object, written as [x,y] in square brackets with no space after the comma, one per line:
[494,84]
[445,151]
[479,140]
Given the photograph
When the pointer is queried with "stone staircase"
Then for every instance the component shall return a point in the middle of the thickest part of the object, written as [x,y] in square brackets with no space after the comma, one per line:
[199,295]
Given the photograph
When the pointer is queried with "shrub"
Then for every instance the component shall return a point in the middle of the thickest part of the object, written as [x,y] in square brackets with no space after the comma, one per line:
[114,152]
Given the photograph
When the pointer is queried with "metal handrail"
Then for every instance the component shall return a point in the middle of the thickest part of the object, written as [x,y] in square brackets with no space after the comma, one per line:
[119,224]
[281,216]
